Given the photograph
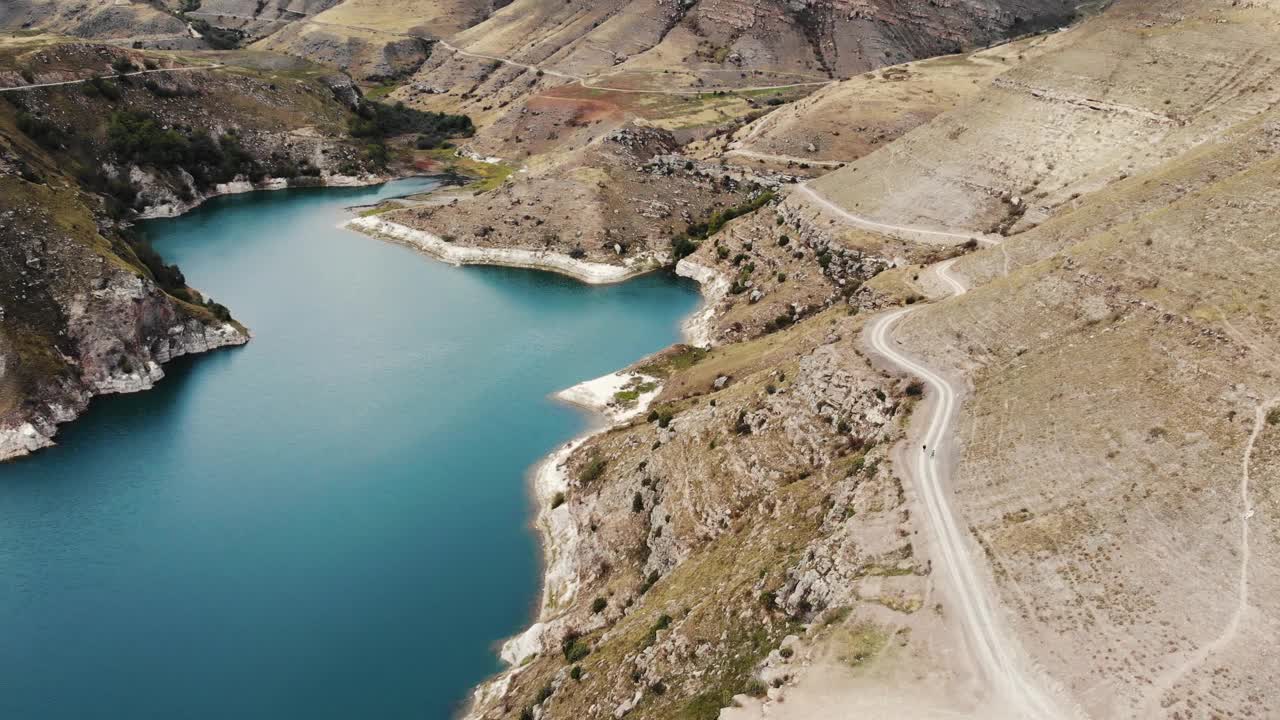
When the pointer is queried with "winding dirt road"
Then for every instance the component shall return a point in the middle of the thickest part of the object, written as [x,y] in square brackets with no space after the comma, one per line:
[906,232]
[992,648]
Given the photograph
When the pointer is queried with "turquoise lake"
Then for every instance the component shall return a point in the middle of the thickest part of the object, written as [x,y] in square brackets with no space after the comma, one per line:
[330,522]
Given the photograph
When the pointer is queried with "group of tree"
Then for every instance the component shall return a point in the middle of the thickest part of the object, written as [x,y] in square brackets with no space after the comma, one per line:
[137,138]
[375,122]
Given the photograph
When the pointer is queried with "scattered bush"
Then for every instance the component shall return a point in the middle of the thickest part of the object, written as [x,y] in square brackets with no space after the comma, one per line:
[41,130]
[135,137]
[574,647]
[99,88]
[599,604]
[557,501]
[684,245]
[217,38]
[650,582]
[168,277]
[544,694]
[593,470]
[662,415]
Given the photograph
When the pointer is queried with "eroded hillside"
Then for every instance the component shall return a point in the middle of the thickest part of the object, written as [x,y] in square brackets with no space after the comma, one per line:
[94,137]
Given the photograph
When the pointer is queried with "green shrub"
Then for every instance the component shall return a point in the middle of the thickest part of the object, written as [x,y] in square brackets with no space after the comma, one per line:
[217,38]
[97,87]
[593,470]
[41,130]
[557,501]
[377,120]
[168,277]
[650,582]
[544,694]
[661,415]
[599,604]
[574,647]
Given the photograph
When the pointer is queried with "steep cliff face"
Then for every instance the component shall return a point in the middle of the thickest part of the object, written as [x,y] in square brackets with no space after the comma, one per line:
[82,315]
[87,307]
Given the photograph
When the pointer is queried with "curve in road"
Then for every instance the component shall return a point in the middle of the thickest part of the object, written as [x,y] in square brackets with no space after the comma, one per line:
[889,229]
[991,648]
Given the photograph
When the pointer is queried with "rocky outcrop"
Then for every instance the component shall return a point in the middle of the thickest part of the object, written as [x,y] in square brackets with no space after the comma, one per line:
[161,201]
[119,334]
[698,328]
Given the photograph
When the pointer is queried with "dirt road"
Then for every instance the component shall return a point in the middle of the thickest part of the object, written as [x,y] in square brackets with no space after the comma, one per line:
[993,650]
[35,86]
[906,232]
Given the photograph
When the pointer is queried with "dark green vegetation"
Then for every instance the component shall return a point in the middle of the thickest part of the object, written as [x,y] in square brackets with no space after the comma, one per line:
[139,139]
[218,38]
[684,245]
[376,122]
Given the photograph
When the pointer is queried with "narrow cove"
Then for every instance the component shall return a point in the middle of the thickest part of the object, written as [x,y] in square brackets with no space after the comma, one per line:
[330,522]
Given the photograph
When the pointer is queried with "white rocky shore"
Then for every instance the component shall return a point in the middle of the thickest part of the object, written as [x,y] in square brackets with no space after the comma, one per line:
[601,394]
[714,286]
[559,532]
[182,339]
[593,273]
[173,206]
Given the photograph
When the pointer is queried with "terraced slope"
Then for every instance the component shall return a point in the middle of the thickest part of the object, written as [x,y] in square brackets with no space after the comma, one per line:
[1113,99]
[1119,445]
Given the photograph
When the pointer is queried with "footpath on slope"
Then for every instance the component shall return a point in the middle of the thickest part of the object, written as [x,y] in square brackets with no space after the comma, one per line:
[112,76]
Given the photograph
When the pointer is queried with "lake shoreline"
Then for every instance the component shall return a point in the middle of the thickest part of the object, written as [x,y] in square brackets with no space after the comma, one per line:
[591,273]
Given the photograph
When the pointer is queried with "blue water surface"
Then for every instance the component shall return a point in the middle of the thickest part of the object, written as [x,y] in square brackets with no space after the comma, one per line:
[331,522]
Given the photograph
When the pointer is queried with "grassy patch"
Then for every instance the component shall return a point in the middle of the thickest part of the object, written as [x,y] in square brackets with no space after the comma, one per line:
[681,358]
[380,92]
[859,643]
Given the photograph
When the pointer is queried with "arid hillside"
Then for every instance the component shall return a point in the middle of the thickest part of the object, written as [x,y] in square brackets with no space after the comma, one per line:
[1118,444]
[1113,99]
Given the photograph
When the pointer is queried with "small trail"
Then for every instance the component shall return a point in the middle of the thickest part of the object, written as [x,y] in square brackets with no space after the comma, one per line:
[786,158]
[112,76]
[992,649]
[1166,682]
[886,228]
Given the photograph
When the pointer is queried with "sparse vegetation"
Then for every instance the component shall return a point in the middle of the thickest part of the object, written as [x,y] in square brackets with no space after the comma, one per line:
[593,470]
[685,244]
